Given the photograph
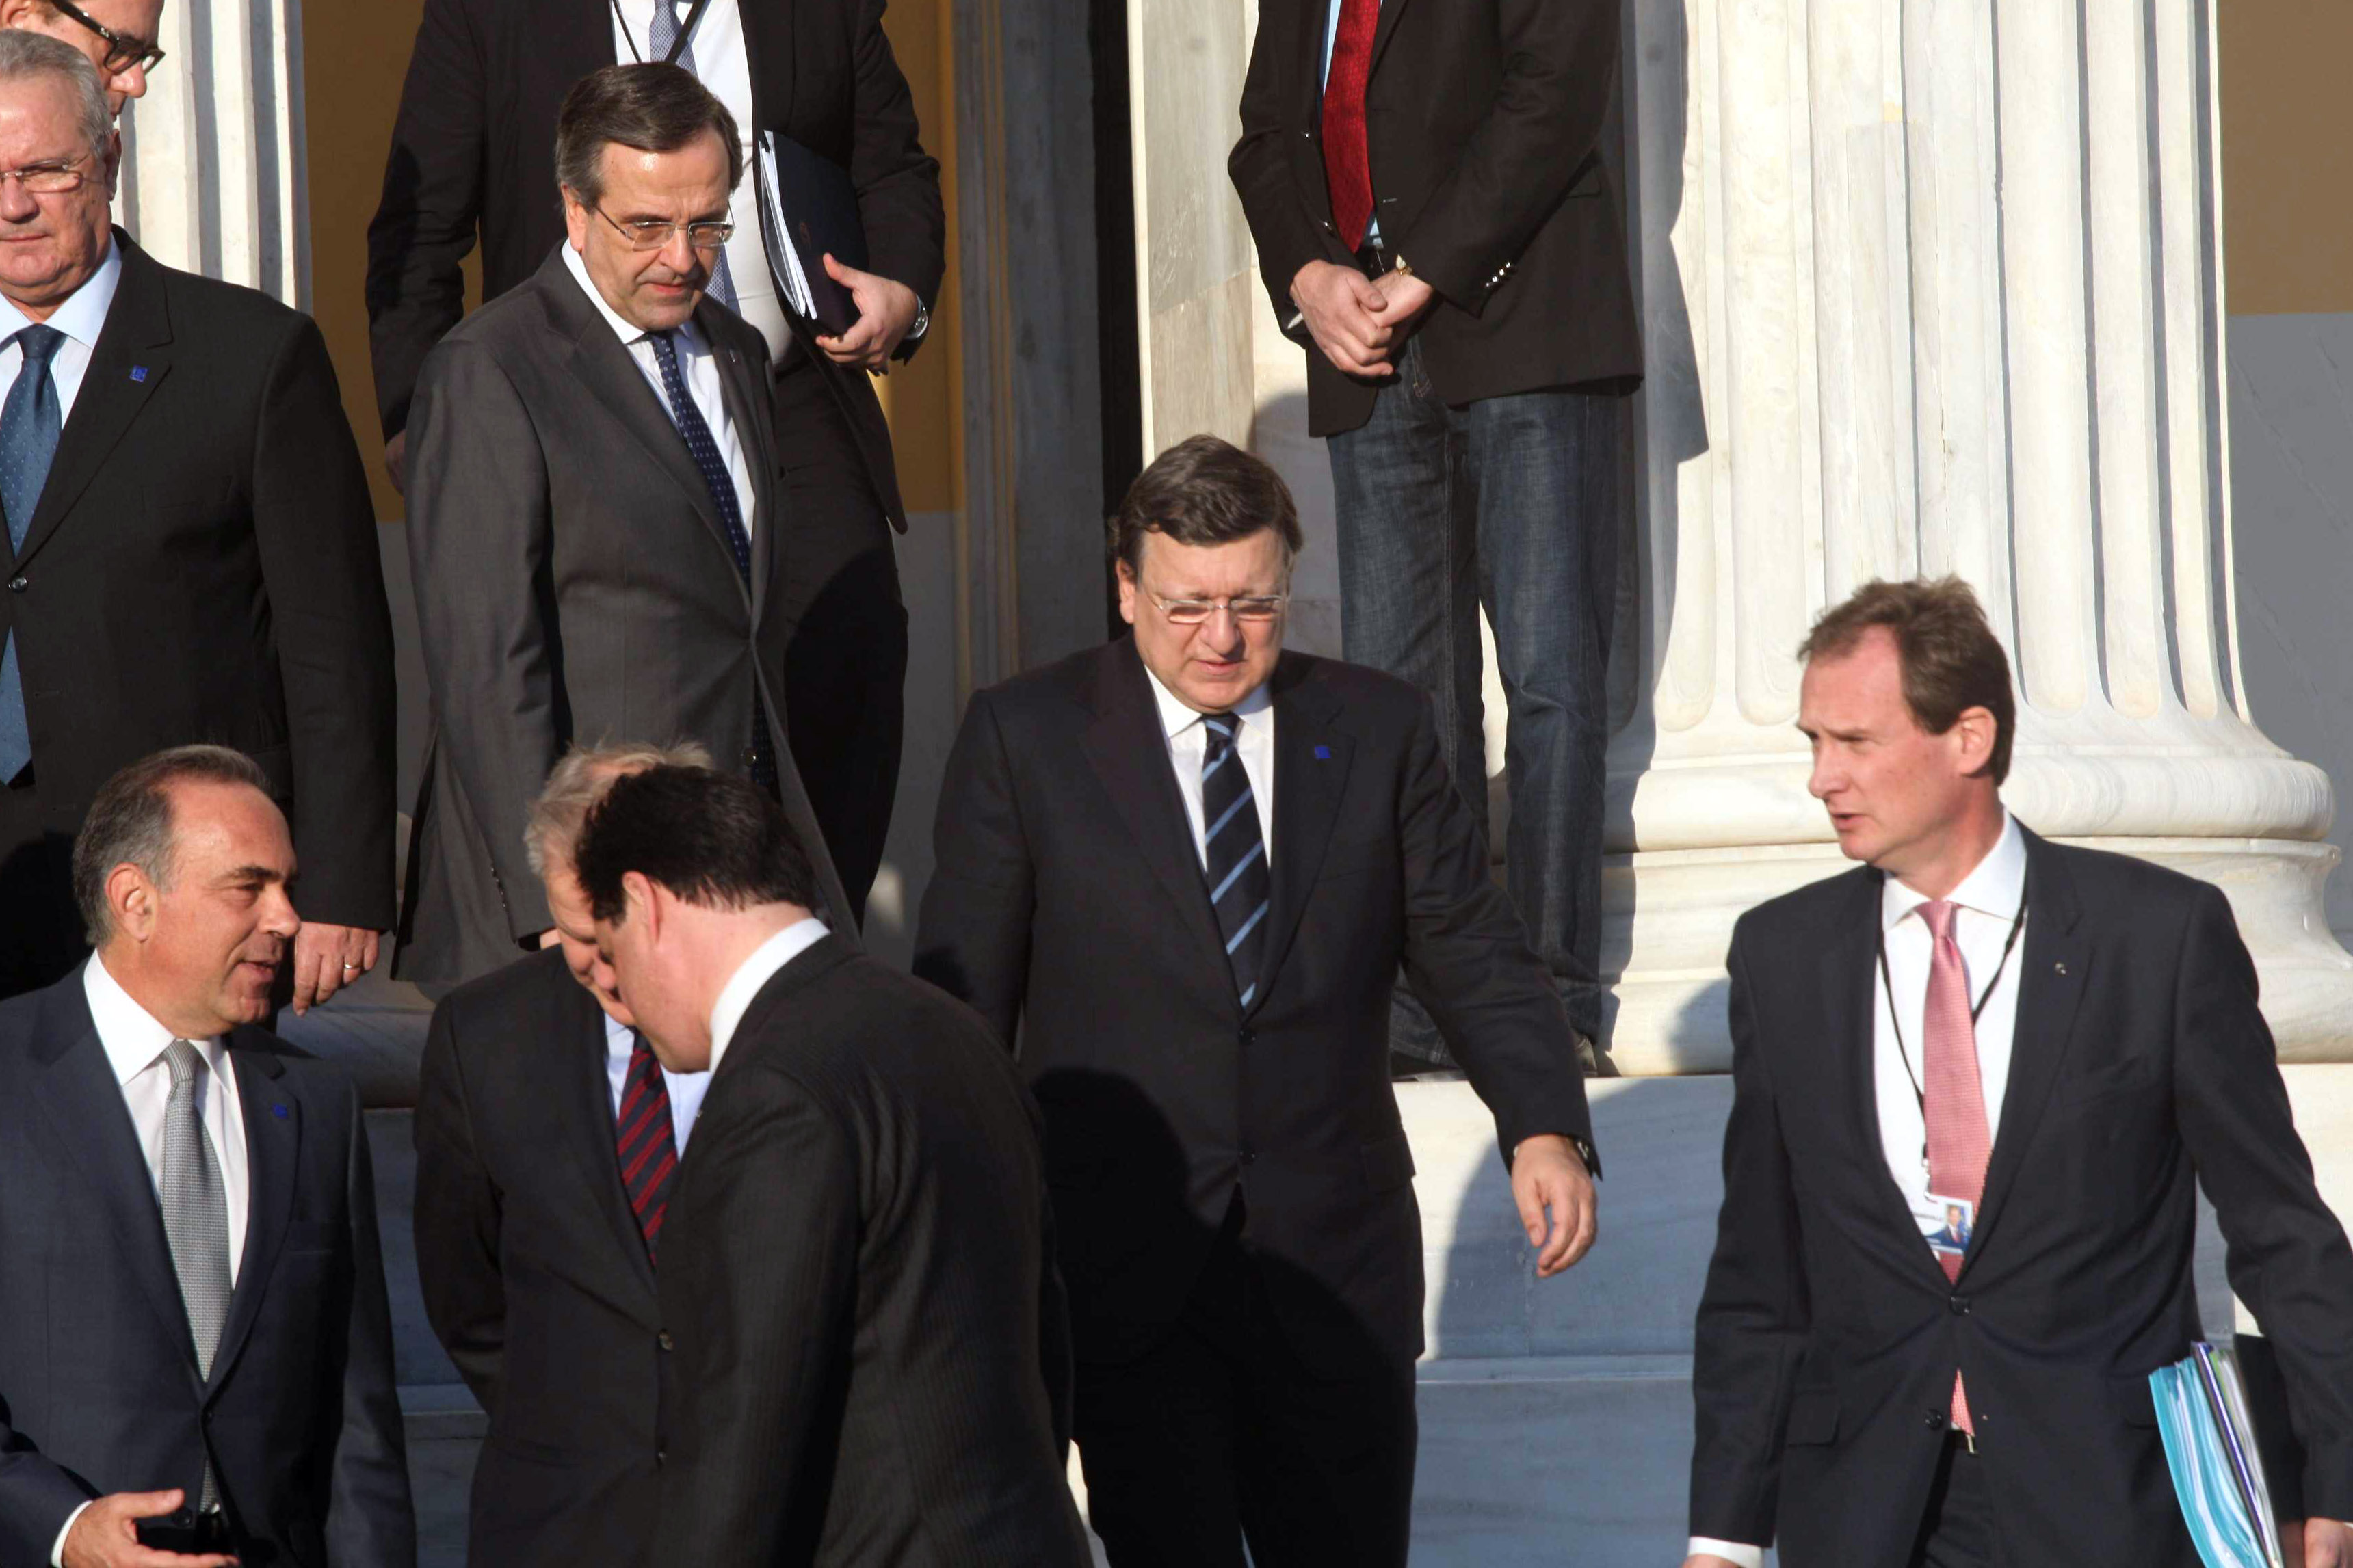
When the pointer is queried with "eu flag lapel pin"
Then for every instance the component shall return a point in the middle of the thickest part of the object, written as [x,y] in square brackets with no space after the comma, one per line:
[139,373]
[1322,753]
[278,1112]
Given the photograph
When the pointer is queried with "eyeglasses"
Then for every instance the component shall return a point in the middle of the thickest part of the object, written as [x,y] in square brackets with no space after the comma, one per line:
[653,233]
[122,50]
[1194,612]
[46,179]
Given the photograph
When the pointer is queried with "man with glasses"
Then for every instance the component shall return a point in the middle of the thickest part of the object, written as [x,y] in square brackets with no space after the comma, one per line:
[593,522]
[117,35]
[1181,872]
[191,549]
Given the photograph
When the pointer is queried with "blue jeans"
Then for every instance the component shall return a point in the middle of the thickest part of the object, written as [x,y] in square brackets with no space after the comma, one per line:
[1509,502]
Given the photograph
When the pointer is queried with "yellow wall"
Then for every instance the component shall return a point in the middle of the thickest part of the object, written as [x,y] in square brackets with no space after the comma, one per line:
[353,56]
[2288,156]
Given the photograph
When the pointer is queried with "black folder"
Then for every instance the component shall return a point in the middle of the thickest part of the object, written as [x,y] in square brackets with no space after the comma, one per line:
[808,210]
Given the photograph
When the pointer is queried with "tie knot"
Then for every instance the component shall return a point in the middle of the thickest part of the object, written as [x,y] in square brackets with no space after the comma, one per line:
[40,344]
[179,1060]
[1221,727]
[1940,914]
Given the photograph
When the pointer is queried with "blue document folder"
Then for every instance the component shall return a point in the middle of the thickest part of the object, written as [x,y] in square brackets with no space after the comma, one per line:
[2218,1473]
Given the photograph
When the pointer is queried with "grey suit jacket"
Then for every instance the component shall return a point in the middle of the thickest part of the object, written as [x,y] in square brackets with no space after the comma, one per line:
[574,582]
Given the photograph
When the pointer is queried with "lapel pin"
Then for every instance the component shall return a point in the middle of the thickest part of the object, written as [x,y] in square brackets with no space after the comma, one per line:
[138,372]
[278,1112]
[2060,967]
[1322,753]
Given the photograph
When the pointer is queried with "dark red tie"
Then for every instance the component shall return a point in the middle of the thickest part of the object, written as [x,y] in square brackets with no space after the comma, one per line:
[649,1153]
[1347,166]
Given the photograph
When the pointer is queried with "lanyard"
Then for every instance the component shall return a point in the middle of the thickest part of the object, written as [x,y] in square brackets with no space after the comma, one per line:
[685,31]
[1902,1052]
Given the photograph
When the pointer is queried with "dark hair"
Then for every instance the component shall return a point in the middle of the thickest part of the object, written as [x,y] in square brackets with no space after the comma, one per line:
[715,839]
[655,108]
[1951,660]
[130,822]
[1203,491]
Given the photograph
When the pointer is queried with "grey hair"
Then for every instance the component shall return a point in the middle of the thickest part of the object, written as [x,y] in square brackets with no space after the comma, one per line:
[652,107]
[130,822]
[579,780]
[28,54]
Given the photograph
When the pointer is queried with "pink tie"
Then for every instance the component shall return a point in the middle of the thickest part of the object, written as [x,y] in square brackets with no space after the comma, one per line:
[1960,1141]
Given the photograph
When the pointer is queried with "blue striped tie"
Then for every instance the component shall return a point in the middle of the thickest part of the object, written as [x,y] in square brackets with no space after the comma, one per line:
[30,422]
[1236,854]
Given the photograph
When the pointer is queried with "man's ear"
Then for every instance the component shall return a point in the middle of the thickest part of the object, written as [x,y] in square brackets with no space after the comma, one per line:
[576,217]
[131,902]
[1975,732]
[642,901]
[1127,591]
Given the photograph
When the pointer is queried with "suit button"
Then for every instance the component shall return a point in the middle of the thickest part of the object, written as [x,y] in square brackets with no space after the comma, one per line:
[661,1456]
[1933,1419]
[751,756]
[18,584]
[664,1341]
[1249,1155]
[1960,1306]
[1245,1036]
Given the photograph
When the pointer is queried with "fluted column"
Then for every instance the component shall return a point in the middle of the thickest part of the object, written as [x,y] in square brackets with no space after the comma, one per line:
[1936,286]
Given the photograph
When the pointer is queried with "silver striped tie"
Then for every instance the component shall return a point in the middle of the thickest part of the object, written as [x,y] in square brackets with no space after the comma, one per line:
[196,1221]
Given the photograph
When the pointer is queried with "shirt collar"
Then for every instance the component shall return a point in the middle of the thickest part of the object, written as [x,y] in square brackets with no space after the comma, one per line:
[131,1034]
[1176,718]
[1995,887]
[628,332]
[83,315]
[735,996]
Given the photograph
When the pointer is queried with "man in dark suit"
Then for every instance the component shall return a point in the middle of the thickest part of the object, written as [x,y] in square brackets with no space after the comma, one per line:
[1438,230]
[2062,1046]
[596,530]
[193,550]
[547,1138]
[862,1334]
[470,157]
[1181,871]
[192,1325]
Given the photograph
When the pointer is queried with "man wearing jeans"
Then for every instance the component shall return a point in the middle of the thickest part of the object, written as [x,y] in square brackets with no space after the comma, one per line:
[1435,227]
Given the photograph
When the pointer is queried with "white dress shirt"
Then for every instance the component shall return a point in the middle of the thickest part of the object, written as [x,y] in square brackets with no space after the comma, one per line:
[686,1089]
[697,366]
[735,996]
[722,65]
[1188,743]
[1990,899]
[82,317]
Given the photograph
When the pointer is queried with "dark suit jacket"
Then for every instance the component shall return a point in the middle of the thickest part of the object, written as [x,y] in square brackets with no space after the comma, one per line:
[1484,120]
[856,1272]
[1069,907]
[473,150]
[203,567]
[1828,1334]
[574,581]
[98,1390]
[535,1272]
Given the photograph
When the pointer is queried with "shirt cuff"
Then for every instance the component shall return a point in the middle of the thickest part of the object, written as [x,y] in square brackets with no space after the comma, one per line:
[1730,1551]
[57,1552]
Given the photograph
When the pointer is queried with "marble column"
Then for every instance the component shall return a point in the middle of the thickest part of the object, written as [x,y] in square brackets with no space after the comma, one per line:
[213,156]
[1936,288]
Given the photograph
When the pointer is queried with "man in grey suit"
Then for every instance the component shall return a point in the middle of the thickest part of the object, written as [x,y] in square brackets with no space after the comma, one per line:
[594,520]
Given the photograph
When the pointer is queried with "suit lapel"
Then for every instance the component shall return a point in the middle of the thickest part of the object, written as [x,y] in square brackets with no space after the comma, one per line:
[577,1025]
[1311,775]
[129,361]
[2055,964]
[1129,751]
[760,508]
[1385,30]
[82,1100]
[273,1143]
[768,60]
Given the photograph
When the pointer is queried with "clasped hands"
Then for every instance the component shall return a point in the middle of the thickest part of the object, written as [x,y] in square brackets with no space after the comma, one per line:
[1359,322]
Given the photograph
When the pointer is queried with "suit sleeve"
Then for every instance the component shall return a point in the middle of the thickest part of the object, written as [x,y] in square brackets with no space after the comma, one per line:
[760,1294]
[1754,1312]
[898,183]
[2286,1252]
[479,547]
[370,1523]
[314,525]
[425,221]
[1288,222]
[36,1498]
[1538,139]
[972,940]
[1468,958]
[457,1218]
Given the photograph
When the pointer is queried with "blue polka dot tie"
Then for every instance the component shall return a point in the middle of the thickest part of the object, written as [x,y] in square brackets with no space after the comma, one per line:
[29,422]
[704,450]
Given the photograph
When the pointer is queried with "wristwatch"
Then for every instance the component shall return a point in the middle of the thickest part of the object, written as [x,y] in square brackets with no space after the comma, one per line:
[923,321]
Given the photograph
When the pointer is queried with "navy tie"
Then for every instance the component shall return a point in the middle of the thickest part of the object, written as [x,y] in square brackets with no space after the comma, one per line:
[704,450]
[29,422]
[662,33]
[1235,857]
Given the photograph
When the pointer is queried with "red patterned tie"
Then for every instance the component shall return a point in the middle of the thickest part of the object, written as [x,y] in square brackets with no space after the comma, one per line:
[648,1151]
[1960,1141]
[1347,166]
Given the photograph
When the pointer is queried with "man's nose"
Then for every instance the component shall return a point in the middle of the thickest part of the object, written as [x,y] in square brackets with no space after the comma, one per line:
[277,916]
[678,253]
[131,83]
[17,204]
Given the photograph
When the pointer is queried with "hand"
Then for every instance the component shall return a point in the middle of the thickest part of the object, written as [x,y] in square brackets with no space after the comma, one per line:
[395,461]
[885,312]
[1403,298]
[1343,310]
[327,958]
[1548,1175]
[106,1536]
[2327,1543]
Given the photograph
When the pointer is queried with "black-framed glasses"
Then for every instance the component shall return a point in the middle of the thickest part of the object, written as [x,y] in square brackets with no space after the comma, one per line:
[653,233]
[122,50]
[1246,607]
[47,179]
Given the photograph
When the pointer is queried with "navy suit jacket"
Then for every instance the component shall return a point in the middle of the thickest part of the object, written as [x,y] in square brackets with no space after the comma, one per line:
[99,1389]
